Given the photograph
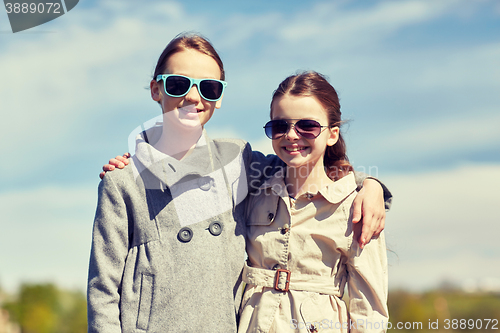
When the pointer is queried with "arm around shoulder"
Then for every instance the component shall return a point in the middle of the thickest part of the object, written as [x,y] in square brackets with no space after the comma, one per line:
[361,177]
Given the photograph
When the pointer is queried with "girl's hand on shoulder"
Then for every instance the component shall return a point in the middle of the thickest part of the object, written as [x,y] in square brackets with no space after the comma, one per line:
[369,207]
[119,162]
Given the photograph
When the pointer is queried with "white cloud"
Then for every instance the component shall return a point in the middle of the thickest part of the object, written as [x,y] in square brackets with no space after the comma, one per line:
[46,235]
[168,10]
[239,28]
[442,225]
[466,67]
[442,135]
[459,269]
[462,195]
[333,25]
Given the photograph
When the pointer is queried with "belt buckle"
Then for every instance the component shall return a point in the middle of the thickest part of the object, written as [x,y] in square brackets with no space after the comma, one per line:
[276,281]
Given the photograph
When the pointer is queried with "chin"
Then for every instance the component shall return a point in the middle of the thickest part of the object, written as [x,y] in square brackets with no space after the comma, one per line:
[300,162]
[191,124]
[291,162]
[204,117]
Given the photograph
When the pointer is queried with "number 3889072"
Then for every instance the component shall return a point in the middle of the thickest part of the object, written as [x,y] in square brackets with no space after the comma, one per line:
[25,8]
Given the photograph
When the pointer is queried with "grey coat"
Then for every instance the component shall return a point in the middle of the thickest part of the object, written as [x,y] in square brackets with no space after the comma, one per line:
[148,275]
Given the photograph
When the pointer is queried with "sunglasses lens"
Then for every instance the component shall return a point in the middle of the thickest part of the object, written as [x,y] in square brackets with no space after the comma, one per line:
[211,89]
[275,129]
[309,129]
[177,85]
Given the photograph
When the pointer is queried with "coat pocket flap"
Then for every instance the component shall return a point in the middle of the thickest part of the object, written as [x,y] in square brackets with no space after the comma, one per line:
[145,301]
[262,209]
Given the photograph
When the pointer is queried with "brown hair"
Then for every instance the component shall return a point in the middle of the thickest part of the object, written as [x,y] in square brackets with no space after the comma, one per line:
[185,41]
[316,85]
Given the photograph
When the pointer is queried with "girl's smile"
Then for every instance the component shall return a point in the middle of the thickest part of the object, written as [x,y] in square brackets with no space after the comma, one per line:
[189,112]
[294,149]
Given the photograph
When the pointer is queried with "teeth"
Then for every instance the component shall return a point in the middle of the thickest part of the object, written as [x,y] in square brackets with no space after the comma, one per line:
[294,148]
[189,109]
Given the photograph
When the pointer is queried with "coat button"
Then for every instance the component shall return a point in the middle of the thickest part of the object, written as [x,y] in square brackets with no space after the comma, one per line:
[285,229]
[313,328]
[215,228]
[270,216]
[185,234]
[205,183]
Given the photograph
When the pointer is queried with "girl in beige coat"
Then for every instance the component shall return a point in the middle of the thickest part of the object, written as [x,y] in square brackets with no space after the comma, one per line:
[301,245]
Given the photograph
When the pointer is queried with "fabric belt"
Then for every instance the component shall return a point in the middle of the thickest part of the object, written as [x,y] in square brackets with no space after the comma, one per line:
[284,280]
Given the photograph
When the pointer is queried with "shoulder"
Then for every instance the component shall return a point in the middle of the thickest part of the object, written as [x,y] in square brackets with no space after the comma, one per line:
[342,191]
[119,179]
[228,144]
[231,149]
[235,141]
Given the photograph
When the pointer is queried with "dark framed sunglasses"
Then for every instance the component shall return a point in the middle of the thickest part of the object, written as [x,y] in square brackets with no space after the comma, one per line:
[179,85]
[306,128]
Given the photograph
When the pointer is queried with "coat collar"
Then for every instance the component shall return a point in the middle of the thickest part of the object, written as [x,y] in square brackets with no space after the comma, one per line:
[340,189]
[334,193]
[151,163]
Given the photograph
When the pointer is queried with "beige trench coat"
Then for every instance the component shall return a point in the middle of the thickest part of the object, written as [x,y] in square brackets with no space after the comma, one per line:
[312,237]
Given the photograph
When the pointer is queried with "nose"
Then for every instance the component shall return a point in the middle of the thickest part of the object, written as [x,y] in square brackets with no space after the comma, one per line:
[193,95]
[292,134]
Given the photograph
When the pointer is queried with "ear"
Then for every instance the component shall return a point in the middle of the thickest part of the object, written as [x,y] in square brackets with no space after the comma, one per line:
[219,102]
[334,136]
[155,90]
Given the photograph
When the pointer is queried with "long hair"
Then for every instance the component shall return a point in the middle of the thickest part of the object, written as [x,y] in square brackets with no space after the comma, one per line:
[315,85]
[185,41]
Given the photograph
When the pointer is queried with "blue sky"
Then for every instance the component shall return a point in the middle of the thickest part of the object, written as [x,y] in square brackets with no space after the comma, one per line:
[418,82]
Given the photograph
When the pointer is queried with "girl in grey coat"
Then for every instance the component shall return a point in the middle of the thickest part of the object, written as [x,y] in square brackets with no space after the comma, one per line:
[168,240]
